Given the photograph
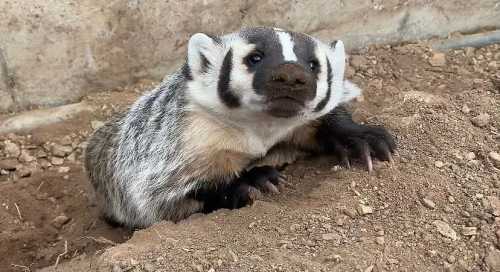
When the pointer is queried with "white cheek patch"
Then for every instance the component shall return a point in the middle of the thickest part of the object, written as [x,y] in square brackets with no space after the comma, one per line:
[287,46]
[241,78]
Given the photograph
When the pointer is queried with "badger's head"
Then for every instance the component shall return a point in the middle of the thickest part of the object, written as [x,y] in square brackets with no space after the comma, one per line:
[267,73]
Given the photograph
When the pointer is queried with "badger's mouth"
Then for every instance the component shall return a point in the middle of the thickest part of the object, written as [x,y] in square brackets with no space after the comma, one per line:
[284,106]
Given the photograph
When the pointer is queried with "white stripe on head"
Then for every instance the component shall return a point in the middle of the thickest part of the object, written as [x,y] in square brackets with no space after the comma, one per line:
[287,46]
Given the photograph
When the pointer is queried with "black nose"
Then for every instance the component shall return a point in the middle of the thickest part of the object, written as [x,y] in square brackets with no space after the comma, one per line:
[290,74]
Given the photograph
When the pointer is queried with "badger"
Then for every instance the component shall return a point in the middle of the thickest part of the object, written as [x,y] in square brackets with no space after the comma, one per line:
[215,133]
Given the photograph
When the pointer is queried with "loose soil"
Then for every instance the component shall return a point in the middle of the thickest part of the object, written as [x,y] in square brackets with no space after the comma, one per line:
[436,209]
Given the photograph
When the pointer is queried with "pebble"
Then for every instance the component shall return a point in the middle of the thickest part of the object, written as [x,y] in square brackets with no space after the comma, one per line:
[495,158]
[149,267]
[11,149]
[60,150]
[56,161]
[492,261]
[451,199]
[469,231]
[428,203]
[438,59]
[340,220]
[96,124]
[495,205]
[8,164]
[364,209]
[481,120]
[380,240]
[369,268]
[60,221]
[330,236]
[24,172]
[465,109]
[452,259]
[44,163]
[444,229]
[470,156]
[439,164]
[116,268]
[349,212]
[63,169]
[26,157]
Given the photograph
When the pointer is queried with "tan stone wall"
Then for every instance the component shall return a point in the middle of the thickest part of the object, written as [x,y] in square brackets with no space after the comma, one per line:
[53,52]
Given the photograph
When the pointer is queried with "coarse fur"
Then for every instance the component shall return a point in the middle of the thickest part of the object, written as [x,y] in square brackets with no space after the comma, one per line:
[257,97]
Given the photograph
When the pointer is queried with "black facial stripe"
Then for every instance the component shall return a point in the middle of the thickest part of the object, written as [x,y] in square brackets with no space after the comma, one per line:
[205,64]
[304,48]
[321,105]
[223,88]
[266,41]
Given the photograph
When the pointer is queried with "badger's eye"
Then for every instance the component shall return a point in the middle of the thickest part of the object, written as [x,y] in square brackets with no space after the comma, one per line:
[254,58]
[313,65]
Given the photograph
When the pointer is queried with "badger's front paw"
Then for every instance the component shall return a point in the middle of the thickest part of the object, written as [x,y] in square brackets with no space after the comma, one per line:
[252,184]
[363,142]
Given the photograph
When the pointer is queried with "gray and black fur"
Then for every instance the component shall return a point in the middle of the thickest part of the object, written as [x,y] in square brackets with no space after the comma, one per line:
[213,133]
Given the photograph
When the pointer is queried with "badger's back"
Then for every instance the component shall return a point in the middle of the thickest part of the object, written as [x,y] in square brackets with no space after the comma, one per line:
[128,158]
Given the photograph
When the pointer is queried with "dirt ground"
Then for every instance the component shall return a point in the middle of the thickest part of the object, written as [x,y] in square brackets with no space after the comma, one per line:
[436,209]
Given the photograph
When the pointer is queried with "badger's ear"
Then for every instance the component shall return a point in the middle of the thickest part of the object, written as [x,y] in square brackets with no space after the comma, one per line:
[338,59]
[202,53]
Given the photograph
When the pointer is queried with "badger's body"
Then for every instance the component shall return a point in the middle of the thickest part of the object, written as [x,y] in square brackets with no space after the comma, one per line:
[211,133]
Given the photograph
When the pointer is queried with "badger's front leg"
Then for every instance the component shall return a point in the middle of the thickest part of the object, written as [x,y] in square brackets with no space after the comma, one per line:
[338,133]
[241,191]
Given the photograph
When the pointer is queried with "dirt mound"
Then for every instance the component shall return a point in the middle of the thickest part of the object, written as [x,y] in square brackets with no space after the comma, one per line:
[437,208]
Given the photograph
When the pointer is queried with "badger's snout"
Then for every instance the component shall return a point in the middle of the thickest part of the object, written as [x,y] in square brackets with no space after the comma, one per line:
[289,87]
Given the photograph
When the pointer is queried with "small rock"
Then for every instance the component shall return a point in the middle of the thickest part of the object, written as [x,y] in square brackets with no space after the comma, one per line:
[470,156]
[116,268]
[451,199]
[438,59]
[481,120]
[60,150]
[294,227]
[66,140]
[134,262]
[211,270]
[63,169]
[335,258]
[451,259]
[364,209]
[24,172]
[44,163]
[340,220]
[495,205]
[11,149]
[41,153]
[26,157]
[369,268]
[469,231]
[349,212]
[8,164]
[495,158]
[428,203]
[469,51]
[380,240]
[465,109]
[438,164]
[359,62]
[60,221]
[96,124]
[330,236]
[381,233]
[444,229]
[56,161]
[149,267]
[492,261]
